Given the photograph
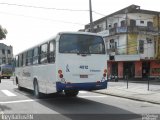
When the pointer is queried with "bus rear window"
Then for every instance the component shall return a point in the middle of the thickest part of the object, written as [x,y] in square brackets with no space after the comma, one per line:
[81,44]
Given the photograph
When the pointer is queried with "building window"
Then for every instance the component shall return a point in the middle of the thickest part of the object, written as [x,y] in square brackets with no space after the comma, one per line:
[9,52]
[149,40]
[123,23]
[9,61]
[112,41]
[3,60]
[132,22]
[155,47]
[3,51]
[142,22]
[150,25]
[141,46]
[115,25]
[106,25]
[113,44]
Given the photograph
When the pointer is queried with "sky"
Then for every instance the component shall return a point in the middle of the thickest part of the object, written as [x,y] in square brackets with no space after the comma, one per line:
[28,26]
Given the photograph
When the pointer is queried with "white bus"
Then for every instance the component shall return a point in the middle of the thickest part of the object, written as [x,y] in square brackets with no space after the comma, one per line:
[69,62]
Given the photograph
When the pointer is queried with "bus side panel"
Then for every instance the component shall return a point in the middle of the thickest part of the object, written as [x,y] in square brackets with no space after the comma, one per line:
[19,76]
[44,74]
[27,77]
[46,77]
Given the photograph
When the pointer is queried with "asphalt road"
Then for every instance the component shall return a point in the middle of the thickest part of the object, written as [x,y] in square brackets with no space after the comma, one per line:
[86,106]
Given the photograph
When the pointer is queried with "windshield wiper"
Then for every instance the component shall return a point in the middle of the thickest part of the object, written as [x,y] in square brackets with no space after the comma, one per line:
[83,53]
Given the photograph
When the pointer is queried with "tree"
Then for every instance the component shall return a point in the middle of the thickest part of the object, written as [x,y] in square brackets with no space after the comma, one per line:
[3,33]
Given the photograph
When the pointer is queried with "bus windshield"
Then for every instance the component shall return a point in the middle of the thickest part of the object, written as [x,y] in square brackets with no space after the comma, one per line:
[81,44]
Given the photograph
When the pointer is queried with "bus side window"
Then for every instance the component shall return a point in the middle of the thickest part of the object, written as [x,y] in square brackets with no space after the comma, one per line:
[43,53]
[51,54]
[24,59]
[20,60]
[35,56]
[30,57]
[17,61]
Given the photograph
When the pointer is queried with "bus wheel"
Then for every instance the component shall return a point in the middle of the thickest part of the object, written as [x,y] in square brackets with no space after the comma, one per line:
[71,93]
[37,94]
[19,87]
[17,83]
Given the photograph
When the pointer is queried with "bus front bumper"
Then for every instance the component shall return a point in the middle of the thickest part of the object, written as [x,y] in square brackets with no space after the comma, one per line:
[81,86]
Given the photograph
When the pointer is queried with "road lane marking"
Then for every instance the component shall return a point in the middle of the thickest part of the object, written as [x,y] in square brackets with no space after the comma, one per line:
[8,93]
[82,92]
[102,96]
[18,101]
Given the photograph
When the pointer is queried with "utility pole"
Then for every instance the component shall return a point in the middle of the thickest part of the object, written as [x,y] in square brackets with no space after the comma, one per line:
[90,14]
[126,12]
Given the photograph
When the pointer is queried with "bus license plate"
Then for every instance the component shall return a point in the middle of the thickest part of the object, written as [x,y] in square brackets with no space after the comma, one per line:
[83,76]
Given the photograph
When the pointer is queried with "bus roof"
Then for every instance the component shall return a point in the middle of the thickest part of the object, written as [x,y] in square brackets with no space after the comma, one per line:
[82,33]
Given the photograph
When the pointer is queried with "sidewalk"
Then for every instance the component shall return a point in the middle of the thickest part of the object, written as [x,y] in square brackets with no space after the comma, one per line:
[135,91]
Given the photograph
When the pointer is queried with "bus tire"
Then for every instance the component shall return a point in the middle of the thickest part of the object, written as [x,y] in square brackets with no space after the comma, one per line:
[37,94]
[19,87]
[17,83]
[71,93]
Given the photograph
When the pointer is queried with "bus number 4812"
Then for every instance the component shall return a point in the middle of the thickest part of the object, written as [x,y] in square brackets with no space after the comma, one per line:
[83,67]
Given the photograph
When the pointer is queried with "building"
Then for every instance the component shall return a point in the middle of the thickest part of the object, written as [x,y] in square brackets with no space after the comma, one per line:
[132,40]
[6,54]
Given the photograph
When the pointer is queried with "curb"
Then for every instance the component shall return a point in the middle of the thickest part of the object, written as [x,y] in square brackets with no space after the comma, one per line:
[131,98]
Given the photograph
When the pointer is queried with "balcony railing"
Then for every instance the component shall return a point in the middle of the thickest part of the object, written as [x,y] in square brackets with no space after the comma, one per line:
[133,29]
[142,28]
[121,51]
[112,50]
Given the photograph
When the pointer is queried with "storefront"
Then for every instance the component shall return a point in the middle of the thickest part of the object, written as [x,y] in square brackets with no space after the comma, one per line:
[134,69]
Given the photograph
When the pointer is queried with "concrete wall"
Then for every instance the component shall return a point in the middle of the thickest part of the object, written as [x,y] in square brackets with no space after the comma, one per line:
[149,48]
[141,17]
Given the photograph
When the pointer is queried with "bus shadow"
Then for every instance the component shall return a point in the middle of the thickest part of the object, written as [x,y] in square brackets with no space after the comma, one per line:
[77,108]
[80,108]
[4,108]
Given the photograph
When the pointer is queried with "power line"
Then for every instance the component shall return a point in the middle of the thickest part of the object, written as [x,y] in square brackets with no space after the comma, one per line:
[48,8]
[71,10]
[41,7]
[20,15]
[99,13]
